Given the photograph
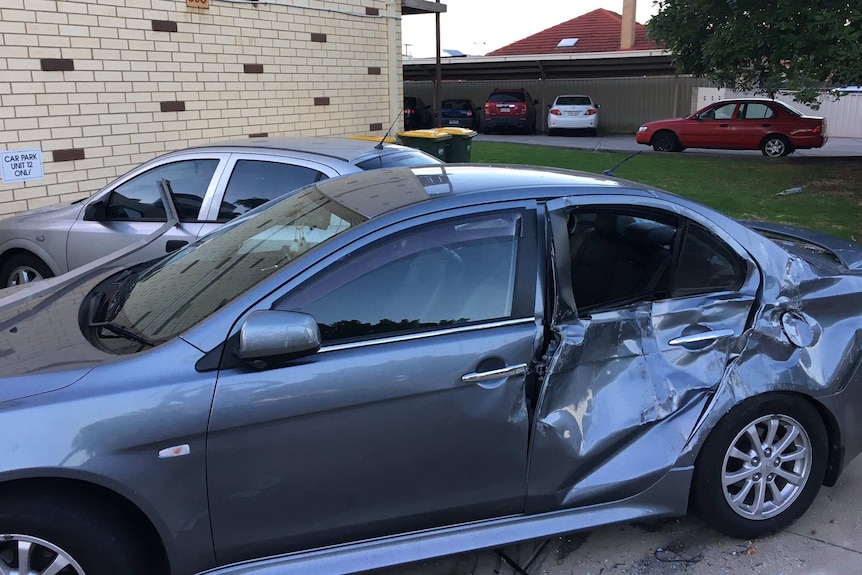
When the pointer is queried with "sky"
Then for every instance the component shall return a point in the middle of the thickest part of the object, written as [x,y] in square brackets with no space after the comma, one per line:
[476,27]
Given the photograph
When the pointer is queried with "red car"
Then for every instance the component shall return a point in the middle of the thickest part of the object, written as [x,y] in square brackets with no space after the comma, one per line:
[747,124]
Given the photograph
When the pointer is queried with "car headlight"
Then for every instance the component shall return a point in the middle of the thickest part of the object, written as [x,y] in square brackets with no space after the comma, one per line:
[642,129]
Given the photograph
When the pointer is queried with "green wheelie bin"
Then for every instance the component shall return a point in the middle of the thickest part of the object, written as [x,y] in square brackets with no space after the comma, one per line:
[459,147]
[429,141]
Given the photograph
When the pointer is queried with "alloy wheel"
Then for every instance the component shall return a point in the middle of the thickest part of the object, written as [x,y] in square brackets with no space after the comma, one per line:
[25,555]
[766,467]
[23,275]
[774,148]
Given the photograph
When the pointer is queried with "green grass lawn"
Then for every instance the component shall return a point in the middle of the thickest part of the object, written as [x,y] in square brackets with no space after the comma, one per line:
[744,187]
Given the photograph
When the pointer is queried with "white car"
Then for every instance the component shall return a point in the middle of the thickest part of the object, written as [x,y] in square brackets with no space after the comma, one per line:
[206,185]
[575,113]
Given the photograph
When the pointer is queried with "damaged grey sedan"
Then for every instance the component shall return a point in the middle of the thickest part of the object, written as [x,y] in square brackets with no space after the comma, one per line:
[415,362]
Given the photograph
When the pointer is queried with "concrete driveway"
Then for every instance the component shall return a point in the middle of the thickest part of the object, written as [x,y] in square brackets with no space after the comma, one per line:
[826,541]
[835,147]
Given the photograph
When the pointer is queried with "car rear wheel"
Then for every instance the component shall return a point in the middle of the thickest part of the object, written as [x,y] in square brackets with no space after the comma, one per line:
[761,466]
[22,269]
[665,142]
[775,146]
[40,537]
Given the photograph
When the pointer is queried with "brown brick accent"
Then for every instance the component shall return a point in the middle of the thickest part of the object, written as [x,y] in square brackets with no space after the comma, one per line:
[374,71]
[68,155]
[318,37]
[252,68]
[164,26]
[259,135]
[322,101]
[372,12]
[172,106]
[57,65]
[375,127]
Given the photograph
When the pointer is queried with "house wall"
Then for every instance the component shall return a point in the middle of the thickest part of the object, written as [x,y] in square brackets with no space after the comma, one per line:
[626,103]
[100,86]
[843,116]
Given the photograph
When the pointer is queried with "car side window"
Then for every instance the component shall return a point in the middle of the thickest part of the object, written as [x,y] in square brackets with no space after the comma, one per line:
[756,112]
[724,112]
[255,182]
[139,199]
[619,257]
[706,264]
[438,276]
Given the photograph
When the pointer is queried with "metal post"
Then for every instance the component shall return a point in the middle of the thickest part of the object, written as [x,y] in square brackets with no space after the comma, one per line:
[438,80]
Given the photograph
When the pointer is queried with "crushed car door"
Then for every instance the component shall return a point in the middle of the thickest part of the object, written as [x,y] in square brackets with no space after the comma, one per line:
[412,415]
[663,303]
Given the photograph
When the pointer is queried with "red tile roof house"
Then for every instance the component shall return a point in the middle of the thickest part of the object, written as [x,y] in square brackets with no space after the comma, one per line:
[597,31]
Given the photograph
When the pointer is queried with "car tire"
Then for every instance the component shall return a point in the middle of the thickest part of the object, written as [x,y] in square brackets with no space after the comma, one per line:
[748,489]
[775,146]
[23,268]
[665,142]
[85,535]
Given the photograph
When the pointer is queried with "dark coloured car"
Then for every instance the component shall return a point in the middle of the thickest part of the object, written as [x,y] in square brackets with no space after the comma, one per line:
[770,126]
[510,109]
[413,362]
[417,114]
[460,113]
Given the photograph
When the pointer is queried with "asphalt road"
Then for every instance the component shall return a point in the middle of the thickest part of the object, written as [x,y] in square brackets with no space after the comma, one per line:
[827,540]
[835,147]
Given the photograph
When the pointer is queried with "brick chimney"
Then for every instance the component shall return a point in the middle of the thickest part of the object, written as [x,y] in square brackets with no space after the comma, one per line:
[627,34]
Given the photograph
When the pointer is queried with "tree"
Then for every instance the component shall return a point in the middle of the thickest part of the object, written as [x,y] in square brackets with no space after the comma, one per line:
[765,46]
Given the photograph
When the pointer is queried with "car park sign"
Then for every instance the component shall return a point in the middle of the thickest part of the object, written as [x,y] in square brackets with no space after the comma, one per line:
[21,165]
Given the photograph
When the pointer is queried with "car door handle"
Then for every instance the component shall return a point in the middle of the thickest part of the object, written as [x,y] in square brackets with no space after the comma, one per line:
[174,245]
[508,371]
[724,125]
[765,125]
[701,337]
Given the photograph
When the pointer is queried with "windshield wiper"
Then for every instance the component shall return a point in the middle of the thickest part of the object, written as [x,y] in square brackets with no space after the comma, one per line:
[123,332]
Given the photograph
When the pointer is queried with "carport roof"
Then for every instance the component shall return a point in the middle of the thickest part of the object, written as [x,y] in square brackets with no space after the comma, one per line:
[421,7]
[544,66]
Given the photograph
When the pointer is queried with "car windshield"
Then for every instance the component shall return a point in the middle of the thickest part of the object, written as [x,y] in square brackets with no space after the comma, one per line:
[185,288]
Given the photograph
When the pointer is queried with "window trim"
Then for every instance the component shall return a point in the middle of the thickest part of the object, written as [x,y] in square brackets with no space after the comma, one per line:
[477,326]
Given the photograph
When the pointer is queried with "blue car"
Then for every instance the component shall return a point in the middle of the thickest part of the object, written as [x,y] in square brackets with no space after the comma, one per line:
[405,363]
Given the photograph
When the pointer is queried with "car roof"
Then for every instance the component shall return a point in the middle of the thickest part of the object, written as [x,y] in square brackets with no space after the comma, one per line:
[345,149]
[463,184]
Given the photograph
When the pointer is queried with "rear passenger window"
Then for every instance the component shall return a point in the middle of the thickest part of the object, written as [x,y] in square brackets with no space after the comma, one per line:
[622,256]
[618,258]
[254,182]
[706,265]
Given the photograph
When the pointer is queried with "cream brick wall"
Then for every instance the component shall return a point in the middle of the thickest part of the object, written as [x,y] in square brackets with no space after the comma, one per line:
[109,106]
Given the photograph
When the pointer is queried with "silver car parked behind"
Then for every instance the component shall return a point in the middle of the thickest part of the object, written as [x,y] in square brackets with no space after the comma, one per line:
[209,186]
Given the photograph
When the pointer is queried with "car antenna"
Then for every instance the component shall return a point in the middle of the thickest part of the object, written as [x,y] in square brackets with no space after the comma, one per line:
[610,172]
[379,145]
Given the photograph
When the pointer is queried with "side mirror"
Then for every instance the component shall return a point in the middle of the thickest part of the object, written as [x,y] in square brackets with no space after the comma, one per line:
[95,211]
[273,334]
[535,102]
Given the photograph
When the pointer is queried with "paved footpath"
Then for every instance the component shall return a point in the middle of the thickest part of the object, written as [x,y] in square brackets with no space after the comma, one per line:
[826,541]
[835,147]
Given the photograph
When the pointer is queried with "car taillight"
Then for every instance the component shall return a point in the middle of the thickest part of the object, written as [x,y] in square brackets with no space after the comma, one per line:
[818,129]
[469,113]
[590,112]
[556,112]
[521,108]
[408,111]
